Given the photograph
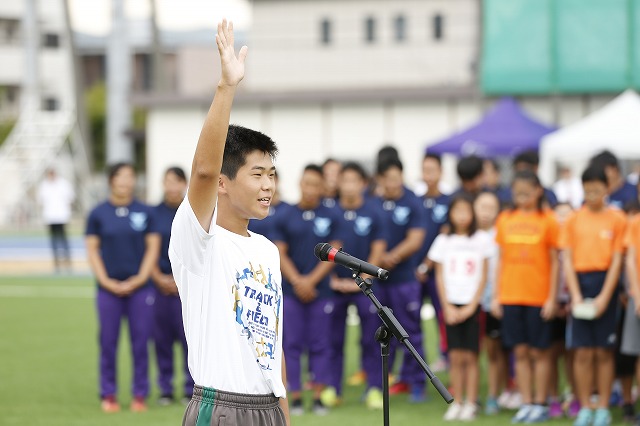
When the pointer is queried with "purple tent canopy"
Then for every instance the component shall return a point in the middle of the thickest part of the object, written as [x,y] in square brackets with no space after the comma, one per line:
[504,131]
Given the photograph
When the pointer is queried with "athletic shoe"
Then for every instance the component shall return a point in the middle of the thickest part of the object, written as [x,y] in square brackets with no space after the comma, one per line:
[616,400]
[453,412]
[468,412]
[357,378]
[574,409]
[538,414]
[585,417]
[109,404]
[514,402]
[374,399]
[165,400]
[628,413]
[555,410]
[417,395]
[491,407]
[138,405]
[503,399]
[296,408]
[602,417]
[319,409]
[522,414]
[398,388]
[329,397]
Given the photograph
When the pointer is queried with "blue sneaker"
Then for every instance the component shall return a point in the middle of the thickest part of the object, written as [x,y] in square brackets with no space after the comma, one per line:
[602,417]
[522,414]
[538,414]
[417,395]
[491,407]
[585,417]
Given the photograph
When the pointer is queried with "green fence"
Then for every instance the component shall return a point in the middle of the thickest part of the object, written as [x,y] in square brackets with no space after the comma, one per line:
[562,46]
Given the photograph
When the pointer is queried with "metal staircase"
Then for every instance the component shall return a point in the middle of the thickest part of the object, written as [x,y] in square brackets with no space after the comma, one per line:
[35,142]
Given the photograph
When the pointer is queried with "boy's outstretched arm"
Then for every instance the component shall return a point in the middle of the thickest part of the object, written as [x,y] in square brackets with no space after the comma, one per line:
[207,160]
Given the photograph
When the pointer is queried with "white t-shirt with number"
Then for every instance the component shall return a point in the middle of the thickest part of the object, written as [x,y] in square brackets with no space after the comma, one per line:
[462,258]
[231,292]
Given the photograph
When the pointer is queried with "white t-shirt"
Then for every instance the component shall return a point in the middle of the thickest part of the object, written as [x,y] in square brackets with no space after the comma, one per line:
[231,292]
[462,259]
[56,197]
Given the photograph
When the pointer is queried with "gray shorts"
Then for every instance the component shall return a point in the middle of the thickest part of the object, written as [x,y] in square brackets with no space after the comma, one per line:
[212,407]
[631,331]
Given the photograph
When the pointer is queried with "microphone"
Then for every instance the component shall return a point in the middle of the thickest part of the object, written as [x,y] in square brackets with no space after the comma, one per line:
[326,253]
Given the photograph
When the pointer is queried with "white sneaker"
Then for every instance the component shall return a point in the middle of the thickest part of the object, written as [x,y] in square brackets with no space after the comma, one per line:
[503,399]
[468,412]
[515,402]
[522,414]
[453,412]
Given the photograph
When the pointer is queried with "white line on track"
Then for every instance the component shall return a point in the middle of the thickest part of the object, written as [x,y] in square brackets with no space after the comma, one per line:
[47,292]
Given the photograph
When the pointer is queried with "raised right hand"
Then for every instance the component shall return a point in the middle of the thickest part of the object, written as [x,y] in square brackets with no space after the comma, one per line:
[232,66]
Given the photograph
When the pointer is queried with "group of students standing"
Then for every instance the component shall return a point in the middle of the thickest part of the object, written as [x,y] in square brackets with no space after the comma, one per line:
[127,246]
[510,265]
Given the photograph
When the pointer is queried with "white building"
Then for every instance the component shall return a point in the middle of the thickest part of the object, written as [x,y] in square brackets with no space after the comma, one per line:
[340,79]
[53,63]
[37,91]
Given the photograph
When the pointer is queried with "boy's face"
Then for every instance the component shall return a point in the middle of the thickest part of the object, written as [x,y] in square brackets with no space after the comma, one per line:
[392,181]
[431,172]
[174,188]
[594,194]
[562,212]
[311,187]
[351,184]
[251,191]
[331,172]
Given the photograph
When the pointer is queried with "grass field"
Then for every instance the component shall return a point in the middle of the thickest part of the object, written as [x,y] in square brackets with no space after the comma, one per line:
[48,366]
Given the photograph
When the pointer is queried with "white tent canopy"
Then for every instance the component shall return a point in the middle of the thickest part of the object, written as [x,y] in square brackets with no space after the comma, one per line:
[615,126]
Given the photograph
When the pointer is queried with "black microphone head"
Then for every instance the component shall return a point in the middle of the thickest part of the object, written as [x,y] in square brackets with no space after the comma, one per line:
[322,251]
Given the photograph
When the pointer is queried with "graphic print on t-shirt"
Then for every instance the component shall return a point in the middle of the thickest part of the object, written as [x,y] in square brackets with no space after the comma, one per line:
[257,310]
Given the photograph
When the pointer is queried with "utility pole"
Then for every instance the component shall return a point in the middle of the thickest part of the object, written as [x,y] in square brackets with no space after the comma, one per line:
[119,68]
[30,98]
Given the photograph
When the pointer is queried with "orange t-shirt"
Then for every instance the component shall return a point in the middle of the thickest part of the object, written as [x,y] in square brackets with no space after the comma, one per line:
[632,238]
[593,238]
[525,240]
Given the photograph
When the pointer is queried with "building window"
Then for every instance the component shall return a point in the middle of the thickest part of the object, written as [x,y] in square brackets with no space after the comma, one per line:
[51,40]
[370,30]
[438,24]
[325,31]
[400,28]
[50,104]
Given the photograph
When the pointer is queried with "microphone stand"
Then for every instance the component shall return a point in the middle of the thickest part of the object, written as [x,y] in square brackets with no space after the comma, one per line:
[391,327]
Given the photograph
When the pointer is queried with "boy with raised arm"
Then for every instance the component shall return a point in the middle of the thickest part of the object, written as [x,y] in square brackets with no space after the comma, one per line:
[229,278]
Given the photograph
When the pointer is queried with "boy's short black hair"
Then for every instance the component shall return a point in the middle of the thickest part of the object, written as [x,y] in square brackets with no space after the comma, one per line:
[384,166]
[494,164]
[113,169]
[313,168]
[435,157]
[469,168]
[354,167]
[530,158]
[387,153]
[178,171]
[329,161]
[595,173]
[605,159]
[240,143]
